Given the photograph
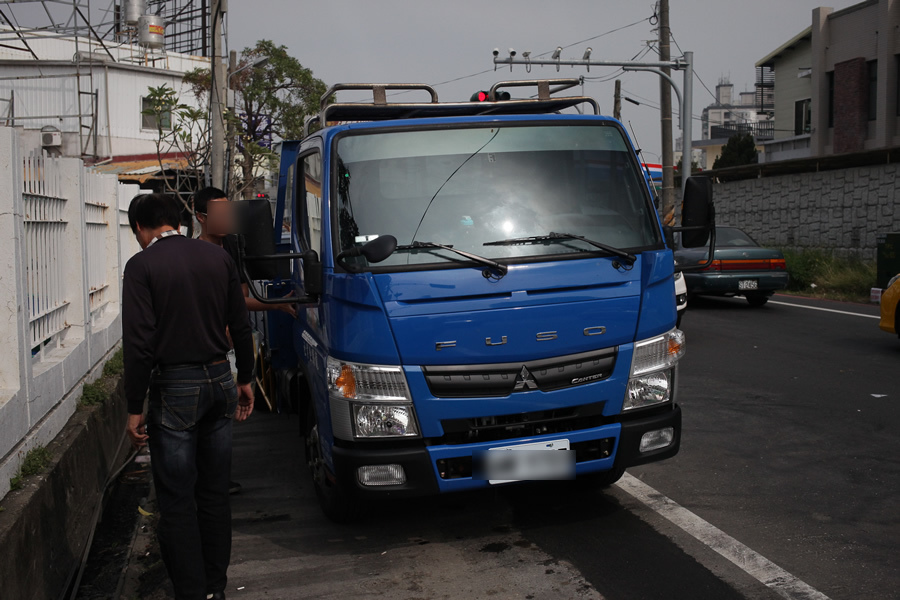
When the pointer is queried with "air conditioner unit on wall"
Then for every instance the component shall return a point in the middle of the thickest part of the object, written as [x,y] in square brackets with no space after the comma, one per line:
[51,139]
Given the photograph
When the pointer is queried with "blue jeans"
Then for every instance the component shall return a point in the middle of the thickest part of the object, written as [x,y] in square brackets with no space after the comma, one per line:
[189,423]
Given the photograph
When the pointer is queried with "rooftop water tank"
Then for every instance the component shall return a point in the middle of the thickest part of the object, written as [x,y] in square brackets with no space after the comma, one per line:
[152,32]
[133,10]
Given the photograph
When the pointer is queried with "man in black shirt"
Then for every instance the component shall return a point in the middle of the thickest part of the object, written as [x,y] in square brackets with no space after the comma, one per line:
[178,297]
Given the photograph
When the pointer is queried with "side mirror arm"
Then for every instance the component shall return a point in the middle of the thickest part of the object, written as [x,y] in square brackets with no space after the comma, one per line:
[307,299]
[712,246]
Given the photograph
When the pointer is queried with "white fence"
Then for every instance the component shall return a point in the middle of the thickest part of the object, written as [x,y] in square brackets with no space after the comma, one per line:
[64,241]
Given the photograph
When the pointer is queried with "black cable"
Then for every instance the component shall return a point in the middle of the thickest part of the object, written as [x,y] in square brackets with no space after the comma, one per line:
[448,180]
[536,56]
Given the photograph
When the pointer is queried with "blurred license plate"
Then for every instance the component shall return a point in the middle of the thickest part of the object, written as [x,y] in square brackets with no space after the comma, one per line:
[536,461]
[748,284]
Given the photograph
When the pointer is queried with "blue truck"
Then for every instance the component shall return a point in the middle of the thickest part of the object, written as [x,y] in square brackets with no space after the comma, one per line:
[471,278]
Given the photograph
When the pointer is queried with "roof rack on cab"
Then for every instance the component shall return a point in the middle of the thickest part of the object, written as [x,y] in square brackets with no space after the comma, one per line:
[381,109]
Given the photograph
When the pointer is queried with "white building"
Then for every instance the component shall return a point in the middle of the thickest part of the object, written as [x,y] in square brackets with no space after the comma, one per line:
[728,116]
[75,96]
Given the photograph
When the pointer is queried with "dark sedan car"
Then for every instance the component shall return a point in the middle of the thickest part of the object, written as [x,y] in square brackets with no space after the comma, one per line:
[740,267]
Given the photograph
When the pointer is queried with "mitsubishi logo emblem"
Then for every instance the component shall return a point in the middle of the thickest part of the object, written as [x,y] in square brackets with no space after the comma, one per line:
[525,381]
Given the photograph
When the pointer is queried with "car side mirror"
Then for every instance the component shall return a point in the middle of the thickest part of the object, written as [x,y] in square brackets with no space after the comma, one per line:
[698,214]
[373,251]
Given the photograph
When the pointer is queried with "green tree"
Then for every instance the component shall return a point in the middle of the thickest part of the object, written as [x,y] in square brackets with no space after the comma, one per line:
[183,132]
[271,103]
[740,150]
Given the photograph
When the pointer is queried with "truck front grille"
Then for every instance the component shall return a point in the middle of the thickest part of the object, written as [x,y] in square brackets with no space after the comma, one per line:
[530,424]
[503,379]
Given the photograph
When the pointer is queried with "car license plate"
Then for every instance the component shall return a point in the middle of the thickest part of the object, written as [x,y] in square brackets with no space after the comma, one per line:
[748,284]
[536,461]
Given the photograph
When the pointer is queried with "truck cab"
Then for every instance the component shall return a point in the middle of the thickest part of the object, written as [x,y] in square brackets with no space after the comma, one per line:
[485,295]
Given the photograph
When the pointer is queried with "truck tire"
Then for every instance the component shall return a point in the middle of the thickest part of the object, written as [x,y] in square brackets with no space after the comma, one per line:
[599,481]
[333,500]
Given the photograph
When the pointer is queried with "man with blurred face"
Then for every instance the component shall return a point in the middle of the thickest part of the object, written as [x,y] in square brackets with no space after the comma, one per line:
[178,297]
[213,212]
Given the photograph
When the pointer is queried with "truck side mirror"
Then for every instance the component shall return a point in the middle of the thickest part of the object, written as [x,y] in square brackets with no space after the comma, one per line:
[254,223]
[374,251]
[698,215]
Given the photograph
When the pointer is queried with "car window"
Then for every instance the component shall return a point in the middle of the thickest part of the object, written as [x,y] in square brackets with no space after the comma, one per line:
[732,236]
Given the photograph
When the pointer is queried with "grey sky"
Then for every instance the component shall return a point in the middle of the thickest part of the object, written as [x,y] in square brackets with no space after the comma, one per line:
[431,42]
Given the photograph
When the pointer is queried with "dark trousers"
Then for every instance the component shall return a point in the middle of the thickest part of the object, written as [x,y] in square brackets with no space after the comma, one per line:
[189,423]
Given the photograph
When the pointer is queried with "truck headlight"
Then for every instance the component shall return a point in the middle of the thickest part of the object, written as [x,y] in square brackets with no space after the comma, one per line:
[653,363]
[384,420]
[650,389]
[373,398]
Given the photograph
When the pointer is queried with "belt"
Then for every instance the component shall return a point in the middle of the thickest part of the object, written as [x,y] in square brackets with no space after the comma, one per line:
[172,367]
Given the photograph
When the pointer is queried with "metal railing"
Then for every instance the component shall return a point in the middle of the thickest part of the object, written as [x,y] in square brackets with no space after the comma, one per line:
[96,226]
[45,233]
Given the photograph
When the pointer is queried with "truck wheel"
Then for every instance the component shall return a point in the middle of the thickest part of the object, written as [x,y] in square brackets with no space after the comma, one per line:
[334,501]
[598,481]
[757,299]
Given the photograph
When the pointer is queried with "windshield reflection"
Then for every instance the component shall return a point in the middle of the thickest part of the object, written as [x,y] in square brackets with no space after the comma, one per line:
[466,187]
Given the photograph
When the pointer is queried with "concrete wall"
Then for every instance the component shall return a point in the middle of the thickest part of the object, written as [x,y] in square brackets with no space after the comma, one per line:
[843,210]
[45,526]
[44,368]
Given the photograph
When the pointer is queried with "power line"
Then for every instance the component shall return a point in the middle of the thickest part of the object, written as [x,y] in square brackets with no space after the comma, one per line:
[696,74]
[598,36]
[605,33]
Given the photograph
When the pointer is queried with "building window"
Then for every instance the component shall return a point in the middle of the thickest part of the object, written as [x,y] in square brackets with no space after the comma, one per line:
[873,89]
[148,119]
[829,80]
[802,116]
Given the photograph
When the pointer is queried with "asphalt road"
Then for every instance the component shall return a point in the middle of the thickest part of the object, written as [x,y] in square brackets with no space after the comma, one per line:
[786,486]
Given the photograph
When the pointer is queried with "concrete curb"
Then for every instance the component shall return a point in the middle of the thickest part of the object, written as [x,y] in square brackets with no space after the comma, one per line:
[45,526]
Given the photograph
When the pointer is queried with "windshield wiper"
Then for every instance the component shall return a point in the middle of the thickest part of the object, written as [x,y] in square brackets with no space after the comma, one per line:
[491,264]
[553,236]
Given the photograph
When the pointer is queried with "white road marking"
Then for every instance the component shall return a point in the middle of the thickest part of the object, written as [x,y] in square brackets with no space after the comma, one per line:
[754,564]
[840,312]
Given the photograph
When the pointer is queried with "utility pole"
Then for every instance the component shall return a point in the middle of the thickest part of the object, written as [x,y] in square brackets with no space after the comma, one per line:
[217,98]
[230,100]
[617,101]
[665,106]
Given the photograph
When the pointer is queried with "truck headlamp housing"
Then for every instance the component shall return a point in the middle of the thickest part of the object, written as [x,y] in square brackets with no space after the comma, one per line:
[657,353]
[374,398]
[653,363]
[356,381]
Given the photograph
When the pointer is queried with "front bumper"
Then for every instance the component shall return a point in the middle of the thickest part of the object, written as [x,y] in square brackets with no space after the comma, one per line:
[420,462]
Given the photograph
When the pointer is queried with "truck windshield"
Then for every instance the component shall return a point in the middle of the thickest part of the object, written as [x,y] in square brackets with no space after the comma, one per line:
[470,187]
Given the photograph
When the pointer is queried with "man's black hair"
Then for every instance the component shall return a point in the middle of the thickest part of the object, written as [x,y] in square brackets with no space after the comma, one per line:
[202,198]
[154,210]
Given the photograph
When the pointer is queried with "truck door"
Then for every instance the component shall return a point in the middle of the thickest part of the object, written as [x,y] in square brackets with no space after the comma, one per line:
[308,222]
